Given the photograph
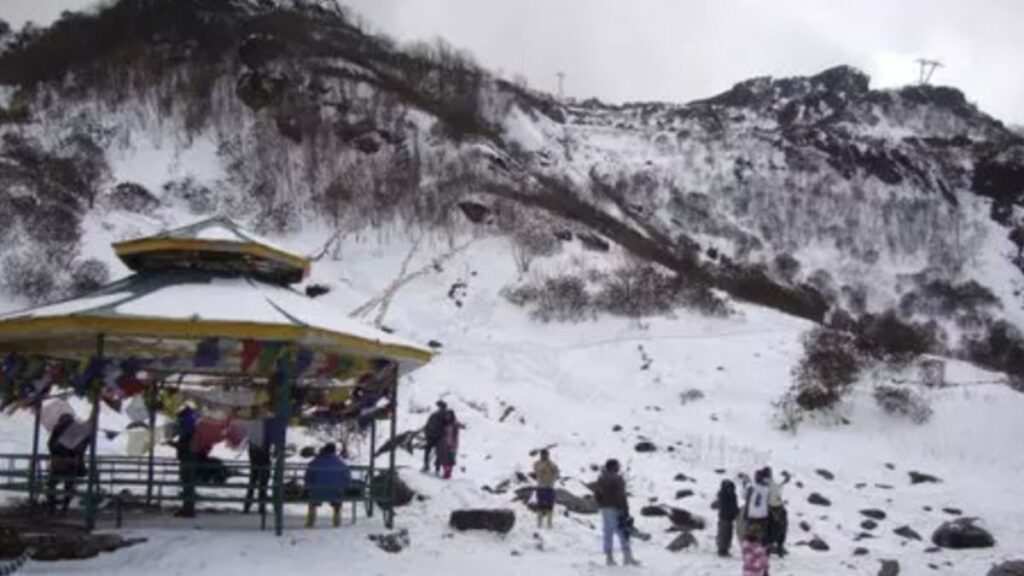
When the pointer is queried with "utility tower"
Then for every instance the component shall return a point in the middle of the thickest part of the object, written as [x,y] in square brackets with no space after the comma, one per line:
[561,86]
[928,68]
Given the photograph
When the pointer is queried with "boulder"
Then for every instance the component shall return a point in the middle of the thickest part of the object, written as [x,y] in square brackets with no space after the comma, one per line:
[653,511]
[476,213]
[1011,568]
[953,511]
[869,525]
[825,474]
[922,478]
[379,491]
[682,542]
[908,533]
[873,513]
[393,542]
[818,500]
[818,544]
[645,446]
[962,533]
[889,568]
[686,493]
[861,551]
[500,521]
[576,504]
[686,520]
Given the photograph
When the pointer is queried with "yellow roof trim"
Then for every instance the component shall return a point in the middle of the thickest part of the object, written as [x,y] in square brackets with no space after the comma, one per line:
[31,328]
[145,245]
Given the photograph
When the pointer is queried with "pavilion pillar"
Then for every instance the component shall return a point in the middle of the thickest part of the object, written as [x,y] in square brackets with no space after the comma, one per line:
[92,483]
[281,417]
[373,467]
[33,467]
[389,512]
[154,396]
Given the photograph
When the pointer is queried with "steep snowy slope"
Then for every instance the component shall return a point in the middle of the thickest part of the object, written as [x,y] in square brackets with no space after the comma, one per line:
[569,386]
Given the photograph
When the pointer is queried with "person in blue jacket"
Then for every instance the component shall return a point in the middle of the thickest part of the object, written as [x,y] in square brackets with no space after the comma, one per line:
[327,478]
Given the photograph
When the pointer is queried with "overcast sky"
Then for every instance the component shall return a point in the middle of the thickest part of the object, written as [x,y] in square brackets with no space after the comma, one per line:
[680,50]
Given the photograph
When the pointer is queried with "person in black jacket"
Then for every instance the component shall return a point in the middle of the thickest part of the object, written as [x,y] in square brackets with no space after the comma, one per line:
[434,432]
[728,510]
[610,494]
[67,464]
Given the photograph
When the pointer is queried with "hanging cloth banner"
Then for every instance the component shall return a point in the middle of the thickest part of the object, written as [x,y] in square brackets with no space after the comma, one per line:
[269,356]
[250,353]
[303,360]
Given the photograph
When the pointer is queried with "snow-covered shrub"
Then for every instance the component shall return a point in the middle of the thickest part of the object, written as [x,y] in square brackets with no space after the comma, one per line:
[786,267]
[532,241]
[26,274]
[828,369]
[887,338]
[560,298]
[198,198]
[904,402]
[639,290]
[132,197]
[87,277]
[968,303]
[1001,347]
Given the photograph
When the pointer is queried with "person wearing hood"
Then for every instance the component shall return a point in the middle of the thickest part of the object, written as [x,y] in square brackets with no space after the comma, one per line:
[755,507]
[610,494]
[728,510]
[433,433]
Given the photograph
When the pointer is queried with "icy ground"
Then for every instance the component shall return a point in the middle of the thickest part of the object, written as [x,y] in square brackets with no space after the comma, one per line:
[568,386]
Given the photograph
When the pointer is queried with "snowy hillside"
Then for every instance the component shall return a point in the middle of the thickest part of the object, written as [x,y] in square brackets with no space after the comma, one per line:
[519,385]
[595,275]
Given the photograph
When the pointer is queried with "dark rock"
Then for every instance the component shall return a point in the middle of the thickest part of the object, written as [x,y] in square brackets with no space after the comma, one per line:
[307,452]
[617,428]
[890,465]
[685,540]
[477,213]
[962,533]
[818,544]
[861,551]
[863,536]
[825,474]
[683,478]
[564,235]
[922,478]
[380,486]
[434,344]
[873,513]
[860,485]
[680,494]
[593,242]
[889,568]
[884,486]
[645,446]
[576,504]
[392,543]
[818,500]
[500,521]
[927,508]
[684,519]
[1011,568]
[317,290]
[908,533]
[953,511]
[805,526]
[869,525]
[653,511]
[132,197]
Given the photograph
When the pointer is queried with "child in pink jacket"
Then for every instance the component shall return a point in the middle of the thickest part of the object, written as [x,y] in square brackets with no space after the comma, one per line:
[755,555]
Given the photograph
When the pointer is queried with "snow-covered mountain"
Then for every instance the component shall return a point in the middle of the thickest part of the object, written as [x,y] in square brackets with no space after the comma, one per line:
[582,266]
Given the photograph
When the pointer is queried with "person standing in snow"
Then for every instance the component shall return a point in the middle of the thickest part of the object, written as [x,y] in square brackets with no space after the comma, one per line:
[188,461]
[755,556]
[778,519]
[610,494]
[728,510]
[327,478]
[547,474]
[259,475]
[433,432]
[66,465]
[448,447]
[755,507]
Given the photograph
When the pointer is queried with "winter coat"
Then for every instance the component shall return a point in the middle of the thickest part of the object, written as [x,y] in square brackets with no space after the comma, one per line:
[757,502]
[774,494]
[327,478]
[185,445]
[448,446]
[546,472]
[610,492]
[64,461]
[434,428]
[728,507]
[755,559]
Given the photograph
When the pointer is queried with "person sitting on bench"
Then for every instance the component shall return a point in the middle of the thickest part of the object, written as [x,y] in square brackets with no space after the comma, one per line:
[327,478]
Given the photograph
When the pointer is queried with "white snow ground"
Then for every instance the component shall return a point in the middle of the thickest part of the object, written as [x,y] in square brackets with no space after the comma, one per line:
[569,385]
